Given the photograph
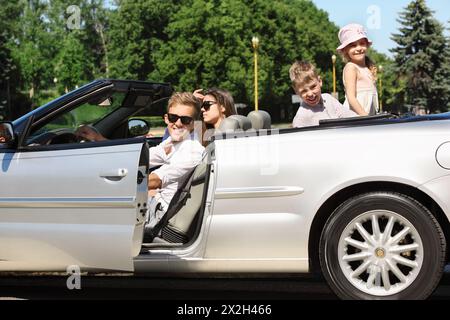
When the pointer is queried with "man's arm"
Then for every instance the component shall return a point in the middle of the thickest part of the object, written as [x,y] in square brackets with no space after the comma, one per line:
[89,133]
[181,164]
[154,182]
[158,158]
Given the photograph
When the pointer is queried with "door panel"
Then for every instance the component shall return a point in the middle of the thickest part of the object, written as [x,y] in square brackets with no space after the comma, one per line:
[71,207]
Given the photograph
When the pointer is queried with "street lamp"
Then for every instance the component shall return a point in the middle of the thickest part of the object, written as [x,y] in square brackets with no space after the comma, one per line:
[255,43]
[381,87]
[333,60]
[55,81]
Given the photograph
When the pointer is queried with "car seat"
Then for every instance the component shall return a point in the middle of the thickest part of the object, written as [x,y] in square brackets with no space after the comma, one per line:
[243,121]
[181,226]
[260,119]
[229,124]
[178,223]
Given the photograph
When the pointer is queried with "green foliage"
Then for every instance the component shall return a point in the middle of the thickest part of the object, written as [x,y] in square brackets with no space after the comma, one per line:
[35,47]
[73,65]
[421,58]
[390,88]
[136,32]
[206,43]
[53,54]
[209,44]
[11,102]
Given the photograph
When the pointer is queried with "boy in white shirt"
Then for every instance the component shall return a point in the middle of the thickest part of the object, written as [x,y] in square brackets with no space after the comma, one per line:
[314,105]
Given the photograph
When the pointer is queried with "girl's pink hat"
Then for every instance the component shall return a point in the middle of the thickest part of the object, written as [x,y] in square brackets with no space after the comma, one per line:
[351,33]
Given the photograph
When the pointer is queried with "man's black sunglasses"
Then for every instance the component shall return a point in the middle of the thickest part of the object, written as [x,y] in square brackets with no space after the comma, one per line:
[207,104]
[184,119]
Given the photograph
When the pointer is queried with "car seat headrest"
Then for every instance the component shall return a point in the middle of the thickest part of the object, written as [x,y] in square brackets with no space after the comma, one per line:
[228,124]
[260,119]
[244,122]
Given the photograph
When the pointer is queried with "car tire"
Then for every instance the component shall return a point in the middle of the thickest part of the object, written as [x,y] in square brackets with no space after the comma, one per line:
[382,245]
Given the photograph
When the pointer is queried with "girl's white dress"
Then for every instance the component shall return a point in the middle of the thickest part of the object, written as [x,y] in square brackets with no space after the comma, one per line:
[366,90]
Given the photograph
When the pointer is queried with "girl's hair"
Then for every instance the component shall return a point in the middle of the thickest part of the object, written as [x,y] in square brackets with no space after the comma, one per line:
[369,63]
[372,67]
[223,98]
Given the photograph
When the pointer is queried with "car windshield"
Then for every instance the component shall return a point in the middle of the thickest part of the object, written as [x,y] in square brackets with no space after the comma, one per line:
[87,113]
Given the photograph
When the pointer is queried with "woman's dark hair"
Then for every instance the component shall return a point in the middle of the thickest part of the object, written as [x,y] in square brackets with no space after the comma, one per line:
[223,98]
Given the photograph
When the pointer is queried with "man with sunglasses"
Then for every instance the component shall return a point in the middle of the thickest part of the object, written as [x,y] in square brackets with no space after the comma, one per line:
[177,156]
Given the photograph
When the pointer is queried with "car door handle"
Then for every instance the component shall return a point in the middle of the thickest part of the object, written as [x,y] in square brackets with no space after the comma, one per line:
[115,174]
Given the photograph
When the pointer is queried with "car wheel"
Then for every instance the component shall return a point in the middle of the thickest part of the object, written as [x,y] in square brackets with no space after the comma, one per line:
[382,245]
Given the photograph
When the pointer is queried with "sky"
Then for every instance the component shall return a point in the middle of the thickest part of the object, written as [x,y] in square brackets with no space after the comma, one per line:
[378,16]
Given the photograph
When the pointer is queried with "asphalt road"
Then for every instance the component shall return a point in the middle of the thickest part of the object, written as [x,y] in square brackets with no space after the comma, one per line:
[173,289]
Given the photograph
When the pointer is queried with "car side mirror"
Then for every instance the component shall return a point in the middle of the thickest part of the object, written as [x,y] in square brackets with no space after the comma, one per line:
[6,133]
[138,127]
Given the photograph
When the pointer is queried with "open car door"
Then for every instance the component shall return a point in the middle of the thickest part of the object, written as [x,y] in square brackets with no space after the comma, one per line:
[74,204]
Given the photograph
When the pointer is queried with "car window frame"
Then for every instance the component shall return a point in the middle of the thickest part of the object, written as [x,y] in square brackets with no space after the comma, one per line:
[69,106]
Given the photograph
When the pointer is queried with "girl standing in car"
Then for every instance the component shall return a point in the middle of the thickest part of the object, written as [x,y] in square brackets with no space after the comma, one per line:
[360,72]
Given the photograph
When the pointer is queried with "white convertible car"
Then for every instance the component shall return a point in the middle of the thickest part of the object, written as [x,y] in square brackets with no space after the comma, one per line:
[363,201]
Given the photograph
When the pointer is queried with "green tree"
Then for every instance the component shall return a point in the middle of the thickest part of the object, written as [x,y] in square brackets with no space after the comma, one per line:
[95,39]
[190,43]
[206,46]
[137,29]
[209,44]
[8,67]
[441,85]
[420,57]
[73,67]
[78,27]
[62,40]
[35,47]
[392,95]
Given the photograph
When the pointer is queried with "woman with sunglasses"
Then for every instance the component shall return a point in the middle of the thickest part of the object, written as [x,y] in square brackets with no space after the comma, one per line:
[217,105]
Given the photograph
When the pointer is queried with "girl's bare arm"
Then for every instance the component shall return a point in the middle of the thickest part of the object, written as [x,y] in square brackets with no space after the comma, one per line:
[350,78]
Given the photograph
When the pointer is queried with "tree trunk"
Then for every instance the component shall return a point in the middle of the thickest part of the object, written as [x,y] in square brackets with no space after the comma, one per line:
[99,28]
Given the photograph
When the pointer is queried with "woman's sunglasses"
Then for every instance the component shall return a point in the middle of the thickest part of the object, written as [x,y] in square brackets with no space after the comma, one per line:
[207,104]
[184,119]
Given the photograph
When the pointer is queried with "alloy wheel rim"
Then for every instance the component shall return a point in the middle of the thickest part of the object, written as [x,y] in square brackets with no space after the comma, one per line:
[380,252]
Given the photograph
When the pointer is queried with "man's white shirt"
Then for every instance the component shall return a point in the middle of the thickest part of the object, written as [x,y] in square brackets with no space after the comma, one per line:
[175,166]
